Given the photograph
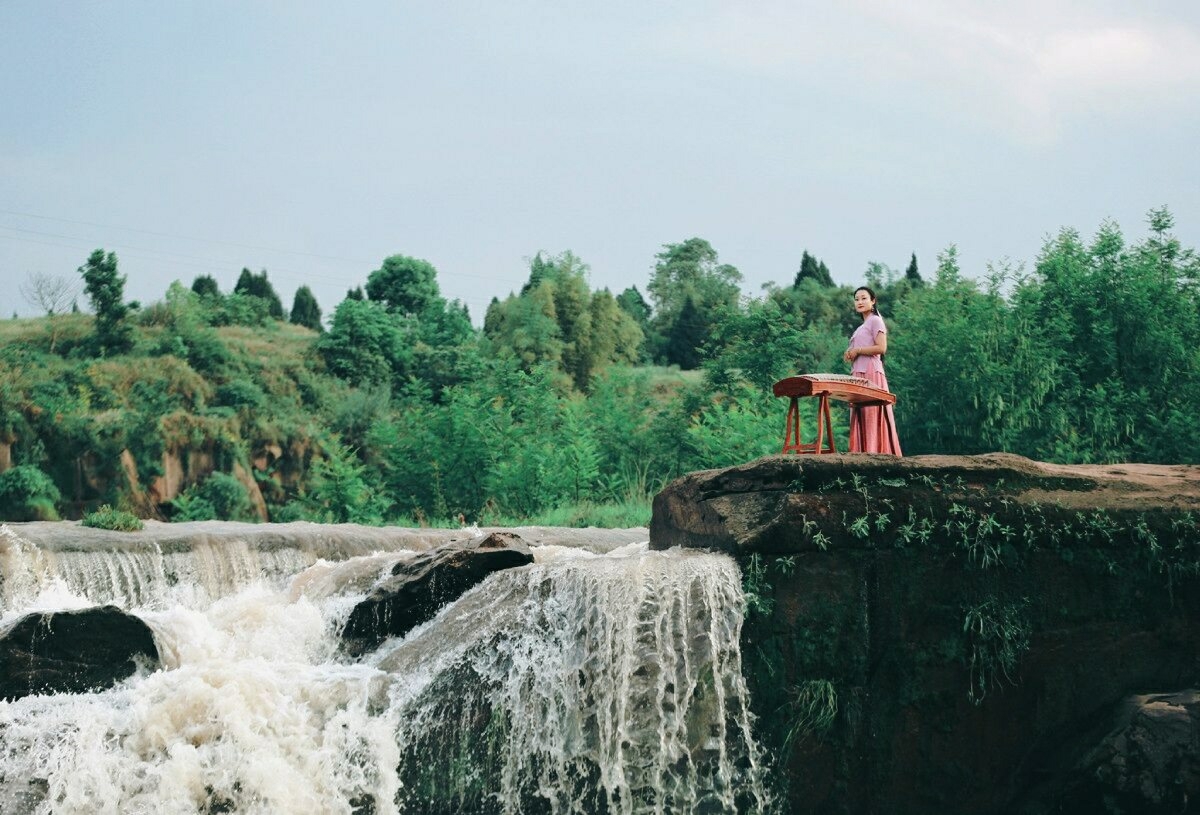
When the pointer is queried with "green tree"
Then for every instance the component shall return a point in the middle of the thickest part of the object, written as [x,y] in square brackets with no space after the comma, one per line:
[206,286]
[567,282]
[305,310]
[257,285]
[762,343]
[812,269]
[689,330]
[912,275]
[27,494]
[557,319]
[1122,325]
[106,291]
[366,344]
[447,346]
[405,285]
[526,327]
[634,304]
[493,317]
[541,267]
[617,337]
[342,491]
[971,373]
[689,272]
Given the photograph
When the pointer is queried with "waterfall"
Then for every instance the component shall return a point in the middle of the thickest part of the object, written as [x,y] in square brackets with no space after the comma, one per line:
[601,678]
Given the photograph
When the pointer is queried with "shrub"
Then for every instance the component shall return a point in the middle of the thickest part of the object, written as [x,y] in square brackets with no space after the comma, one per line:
[116,519]
[189,506]
[239,394]
[342,491]
[218,497]
[291,511]
[27,494]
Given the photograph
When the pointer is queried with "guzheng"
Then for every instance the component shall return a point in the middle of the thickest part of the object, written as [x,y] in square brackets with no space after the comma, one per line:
[858,392]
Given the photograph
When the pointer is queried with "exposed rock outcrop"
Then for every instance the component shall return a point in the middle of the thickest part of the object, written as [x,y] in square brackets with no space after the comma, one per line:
[419,587]
[72,651]
[1148,762]
[180,470]
[932,633]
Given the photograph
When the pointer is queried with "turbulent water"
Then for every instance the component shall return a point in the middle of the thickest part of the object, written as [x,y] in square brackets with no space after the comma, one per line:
[603,677]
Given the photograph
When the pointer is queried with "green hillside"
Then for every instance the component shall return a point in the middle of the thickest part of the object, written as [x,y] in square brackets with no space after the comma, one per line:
[571,405]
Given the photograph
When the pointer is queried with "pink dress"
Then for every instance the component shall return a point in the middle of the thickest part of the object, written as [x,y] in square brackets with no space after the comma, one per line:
[864,421]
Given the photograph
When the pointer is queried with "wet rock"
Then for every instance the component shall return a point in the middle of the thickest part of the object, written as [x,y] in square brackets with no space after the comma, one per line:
[72,651]
[1148,762]
[419,587]
[977,620]
[775,504]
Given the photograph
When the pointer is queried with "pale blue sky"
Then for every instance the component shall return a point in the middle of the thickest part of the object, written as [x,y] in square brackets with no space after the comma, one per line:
[314,140]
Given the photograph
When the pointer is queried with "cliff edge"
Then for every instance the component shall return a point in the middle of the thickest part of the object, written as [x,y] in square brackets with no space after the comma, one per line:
[962,634]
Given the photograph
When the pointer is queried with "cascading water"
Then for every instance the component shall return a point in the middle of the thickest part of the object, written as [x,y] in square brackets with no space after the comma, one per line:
[601,678]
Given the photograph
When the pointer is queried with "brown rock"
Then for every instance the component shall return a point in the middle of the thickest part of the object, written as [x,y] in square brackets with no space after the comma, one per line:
[257,502]
[419,587]
[975,616]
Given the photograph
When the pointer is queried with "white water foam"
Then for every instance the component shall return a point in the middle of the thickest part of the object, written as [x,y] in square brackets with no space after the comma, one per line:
[582,683]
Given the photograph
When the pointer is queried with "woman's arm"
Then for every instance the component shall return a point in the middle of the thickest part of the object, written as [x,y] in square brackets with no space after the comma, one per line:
[880,347]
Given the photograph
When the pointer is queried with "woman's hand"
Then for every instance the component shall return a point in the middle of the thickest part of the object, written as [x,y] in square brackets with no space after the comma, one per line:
[850,354]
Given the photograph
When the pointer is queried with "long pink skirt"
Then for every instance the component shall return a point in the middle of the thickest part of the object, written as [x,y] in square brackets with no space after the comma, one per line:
[864,425]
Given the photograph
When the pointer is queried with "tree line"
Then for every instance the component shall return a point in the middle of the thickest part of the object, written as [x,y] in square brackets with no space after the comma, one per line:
[398,408]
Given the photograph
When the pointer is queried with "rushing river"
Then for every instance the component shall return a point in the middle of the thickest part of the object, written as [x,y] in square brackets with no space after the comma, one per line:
[603,677]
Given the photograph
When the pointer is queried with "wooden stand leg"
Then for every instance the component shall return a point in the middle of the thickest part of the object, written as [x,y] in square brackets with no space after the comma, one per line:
[821,408]
[828,424]
[791,432]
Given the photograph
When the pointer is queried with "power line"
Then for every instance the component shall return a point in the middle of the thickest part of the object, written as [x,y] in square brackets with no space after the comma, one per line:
[211,263]
[204,264]
[182,237]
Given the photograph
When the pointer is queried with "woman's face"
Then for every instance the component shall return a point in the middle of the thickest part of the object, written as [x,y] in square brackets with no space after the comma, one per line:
[863,303]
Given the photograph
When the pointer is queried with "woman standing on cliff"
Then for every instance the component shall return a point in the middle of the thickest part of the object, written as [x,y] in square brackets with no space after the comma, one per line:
[868,344]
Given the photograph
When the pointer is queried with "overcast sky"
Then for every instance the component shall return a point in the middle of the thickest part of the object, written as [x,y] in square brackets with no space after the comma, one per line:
[315,139]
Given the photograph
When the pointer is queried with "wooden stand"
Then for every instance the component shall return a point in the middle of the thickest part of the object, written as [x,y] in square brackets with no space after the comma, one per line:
[859,393]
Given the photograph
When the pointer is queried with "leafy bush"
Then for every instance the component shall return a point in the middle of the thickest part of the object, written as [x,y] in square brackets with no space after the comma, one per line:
[240,394]
[238,309]
[116,519]
[219,497]
[341,491]
[27,494]
[189,506]
[291,511]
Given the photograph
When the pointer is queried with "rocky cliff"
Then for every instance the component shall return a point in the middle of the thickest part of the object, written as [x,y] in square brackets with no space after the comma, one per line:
[960,634]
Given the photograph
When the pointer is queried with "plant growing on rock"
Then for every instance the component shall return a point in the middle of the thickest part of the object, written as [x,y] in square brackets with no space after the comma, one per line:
[997,634]
[115,519]
[756,587]
[812,706]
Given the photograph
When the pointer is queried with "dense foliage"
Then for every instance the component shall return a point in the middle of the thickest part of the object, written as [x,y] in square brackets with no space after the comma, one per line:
[208,405]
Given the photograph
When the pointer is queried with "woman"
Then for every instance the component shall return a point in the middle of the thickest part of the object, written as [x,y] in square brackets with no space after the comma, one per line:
[868,344]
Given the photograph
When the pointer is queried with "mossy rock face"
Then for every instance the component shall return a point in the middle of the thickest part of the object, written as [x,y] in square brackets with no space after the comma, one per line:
[966,621]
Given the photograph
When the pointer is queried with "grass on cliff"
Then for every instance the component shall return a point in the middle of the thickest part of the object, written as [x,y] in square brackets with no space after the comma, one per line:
[623,514]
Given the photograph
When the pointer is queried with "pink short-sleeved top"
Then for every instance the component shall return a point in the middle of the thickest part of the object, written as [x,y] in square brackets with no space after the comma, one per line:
[863,336]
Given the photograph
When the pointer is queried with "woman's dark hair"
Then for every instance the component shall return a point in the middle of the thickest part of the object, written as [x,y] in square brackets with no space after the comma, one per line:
[874,299]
